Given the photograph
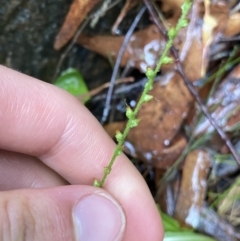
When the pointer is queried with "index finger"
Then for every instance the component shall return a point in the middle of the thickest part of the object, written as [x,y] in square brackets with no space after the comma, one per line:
[42,120]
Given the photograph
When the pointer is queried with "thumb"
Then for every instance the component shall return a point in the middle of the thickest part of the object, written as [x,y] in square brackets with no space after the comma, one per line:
[63,214]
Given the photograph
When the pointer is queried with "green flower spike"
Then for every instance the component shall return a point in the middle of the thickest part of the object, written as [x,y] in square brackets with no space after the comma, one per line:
[150,74]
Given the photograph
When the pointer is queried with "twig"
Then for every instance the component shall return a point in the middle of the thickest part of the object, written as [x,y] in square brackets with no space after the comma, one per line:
[124,89]
[100,13]
[117,64]
[190,85]
[229,39]
[97,90]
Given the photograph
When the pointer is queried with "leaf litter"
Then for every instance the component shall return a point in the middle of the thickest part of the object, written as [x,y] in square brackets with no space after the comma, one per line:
[174,138]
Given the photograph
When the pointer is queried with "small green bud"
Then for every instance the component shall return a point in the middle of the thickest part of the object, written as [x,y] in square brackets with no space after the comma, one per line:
[107,170]
[172,33]
[97,183]
[133,123]
[147,98]
[184,23]
[186,6]
[167,60]
[148,86]
[129,113]
[118,136]
[150,73]
[119,152]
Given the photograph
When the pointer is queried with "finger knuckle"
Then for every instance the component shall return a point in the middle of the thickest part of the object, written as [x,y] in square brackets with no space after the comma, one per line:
[16,220]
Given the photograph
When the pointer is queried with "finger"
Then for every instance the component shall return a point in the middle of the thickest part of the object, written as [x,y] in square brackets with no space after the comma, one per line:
[69,213]
[42,120]
[22,171]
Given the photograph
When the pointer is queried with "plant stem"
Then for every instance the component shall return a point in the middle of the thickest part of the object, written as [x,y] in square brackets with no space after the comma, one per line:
[151,74]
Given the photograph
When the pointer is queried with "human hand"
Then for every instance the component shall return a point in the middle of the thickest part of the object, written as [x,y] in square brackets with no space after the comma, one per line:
[48,140]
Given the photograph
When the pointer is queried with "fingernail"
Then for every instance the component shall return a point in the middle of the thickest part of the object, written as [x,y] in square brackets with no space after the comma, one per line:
[98,217]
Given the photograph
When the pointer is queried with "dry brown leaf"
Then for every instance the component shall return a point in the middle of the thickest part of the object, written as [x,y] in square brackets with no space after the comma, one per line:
[172,6]
[144,47]
[214,23]
[233,26]
[161,119]
[111,128]
[76,14]
[167,154]
[193,187]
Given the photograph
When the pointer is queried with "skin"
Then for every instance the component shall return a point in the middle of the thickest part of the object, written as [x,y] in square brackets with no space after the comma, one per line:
[48,140]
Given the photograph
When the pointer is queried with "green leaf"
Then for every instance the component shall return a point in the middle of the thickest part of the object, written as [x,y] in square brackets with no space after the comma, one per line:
[72,81]
[169,223]
[174,232]
[186,236]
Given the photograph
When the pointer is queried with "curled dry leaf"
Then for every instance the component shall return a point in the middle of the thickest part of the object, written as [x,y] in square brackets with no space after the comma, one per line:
[80,8]
[144,47]
[193,187]
[77,12]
